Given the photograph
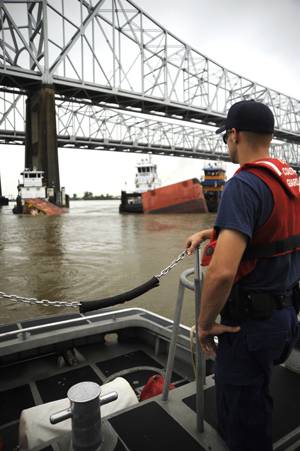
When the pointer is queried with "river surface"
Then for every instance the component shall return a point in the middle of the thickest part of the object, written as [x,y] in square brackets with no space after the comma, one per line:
[93,252]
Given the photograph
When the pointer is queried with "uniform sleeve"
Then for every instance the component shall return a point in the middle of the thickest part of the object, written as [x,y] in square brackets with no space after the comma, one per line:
[241,206]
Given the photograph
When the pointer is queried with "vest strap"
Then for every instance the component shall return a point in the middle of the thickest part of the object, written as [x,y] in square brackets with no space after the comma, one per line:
[271,249]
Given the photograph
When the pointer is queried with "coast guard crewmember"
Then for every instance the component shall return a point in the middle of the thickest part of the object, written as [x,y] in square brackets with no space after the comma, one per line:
[252,279]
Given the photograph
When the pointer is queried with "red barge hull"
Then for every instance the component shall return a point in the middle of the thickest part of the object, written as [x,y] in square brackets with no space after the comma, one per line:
[181,197]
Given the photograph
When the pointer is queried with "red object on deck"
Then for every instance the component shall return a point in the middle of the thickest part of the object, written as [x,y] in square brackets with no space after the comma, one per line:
[154,387]
[43,206]
[182,197]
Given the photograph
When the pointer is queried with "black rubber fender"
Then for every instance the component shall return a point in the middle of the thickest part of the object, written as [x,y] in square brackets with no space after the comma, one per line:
[88,306]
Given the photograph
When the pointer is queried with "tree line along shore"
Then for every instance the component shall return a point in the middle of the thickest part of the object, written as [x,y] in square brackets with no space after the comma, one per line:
[90,196]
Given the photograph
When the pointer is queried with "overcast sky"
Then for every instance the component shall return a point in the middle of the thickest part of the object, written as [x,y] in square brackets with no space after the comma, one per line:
[259,40]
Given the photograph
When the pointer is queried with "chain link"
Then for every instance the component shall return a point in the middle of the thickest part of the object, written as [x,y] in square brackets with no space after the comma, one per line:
[166,270]
[44,302]
[76,304]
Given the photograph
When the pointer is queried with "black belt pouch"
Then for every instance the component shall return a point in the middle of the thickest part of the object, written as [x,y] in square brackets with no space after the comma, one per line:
[260,305]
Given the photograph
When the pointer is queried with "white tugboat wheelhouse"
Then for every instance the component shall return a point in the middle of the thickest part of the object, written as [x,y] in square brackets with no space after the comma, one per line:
[146,176]
[32,186]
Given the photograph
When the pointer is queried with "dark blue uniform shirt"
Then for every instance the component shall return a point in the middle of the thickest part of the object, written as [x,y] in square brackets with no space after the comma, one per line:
[246,204]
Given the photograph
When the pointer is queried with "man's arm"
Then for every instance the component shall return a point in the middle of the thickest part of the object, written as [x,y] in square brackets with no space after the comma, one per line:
[218,282]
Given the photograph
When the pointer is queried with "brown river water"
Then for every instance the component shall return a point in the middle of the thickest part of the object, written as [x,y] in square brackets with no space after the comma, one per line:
[93,252]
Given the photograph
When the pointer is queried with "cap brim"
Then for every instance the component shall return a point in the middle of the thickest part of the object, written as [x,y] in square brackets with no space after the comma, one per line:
[221,129]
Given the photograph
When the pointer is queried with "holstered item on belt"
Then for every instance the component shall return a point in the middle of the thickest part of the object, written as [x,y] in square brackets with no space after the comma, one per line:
[243,305]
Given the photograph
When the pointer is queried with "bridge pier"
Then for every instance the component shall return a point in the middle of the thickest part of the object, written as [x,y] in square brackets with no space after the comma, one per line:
[40,136]
[3,200]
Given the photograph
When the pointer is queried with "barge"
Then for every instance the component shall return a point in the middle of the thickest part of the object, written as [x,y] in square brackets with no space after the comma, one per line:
[150,197]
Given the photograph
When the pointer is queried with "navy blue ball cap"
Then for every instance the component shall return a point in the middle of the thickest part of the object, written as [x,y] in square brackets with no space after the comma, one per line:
[249,116]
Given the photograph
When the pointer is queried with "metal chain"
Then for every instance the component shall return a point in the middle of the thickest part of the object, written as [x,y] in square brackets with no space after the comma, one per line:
[165,271]
[76,304]
[44,302]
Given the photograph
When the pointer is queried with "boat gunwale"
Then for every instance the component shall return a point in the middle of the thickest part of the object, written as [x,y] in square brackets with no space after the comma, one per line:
[136,318]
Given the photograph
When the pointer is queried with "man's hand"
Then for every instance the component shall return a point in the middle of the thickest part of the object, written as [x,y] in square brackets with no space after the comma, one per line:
[193,241]
[206,337]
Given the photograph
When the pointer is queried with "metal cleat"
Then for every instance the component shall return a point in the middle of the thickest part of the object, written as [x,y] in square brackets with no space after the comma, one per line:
[85,414]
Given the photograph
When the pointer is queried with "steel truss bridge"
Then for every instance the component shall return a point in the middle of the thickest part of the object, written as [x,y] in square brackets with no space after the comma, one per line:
[87,126]
[111,66]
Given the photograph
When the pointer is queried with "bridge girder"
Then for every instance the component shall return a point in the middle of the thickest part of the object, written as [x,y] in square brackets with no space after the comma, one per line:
[86,126]
[112,52]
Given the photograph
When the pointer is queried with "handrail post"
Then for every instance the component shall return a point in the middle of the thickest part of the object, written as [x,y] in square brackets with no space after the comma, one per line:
[172,347]
[200,359]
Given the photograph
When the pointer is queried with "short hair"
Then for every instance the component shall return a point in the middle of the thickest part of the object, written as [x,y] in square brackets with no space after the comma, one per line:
[258,139]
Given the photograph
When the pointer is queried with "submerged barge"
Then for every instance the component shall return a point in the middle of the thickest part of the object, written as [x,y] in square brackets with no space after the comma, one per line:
[43,360]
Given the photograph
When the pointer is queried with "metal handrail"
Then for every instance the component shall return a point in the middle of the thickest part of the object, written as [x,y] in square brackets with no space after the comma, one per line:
[200,360]
[25,330]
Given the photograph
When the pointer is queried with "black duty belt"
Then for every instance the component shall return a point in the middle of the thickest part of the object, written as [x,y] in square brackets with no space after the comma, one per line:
[243,305]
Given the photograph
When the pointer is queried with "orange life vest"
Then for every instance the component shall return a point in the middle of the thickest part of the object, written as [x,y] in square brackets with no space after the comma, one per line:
[280,234]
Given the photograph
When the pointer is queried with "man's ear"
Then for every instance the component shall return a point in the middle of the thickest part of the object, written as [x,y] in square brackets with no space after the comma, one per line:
[235,135]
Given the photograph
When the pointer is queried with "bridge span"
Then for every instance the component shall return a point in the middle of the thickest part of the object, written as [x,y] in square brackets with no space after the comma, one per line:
[85,126]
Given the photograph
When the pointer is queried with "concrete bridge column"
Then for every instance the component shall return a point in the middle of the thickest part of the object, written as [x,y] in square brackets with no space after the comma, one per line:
[41,142]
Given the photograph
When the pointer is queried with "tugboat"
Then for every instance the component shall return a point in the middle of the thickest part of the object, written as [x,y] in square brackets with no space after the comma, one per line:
[35,198]
[182,197]
[213,185]
[146,179]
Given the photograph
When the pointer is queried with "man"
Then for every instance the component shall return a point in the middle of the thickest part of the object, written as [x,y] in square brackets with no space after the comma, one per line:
[252,278]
